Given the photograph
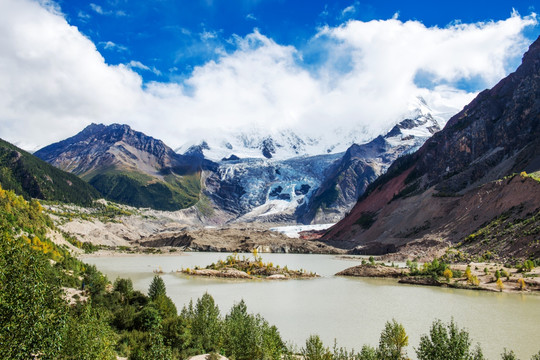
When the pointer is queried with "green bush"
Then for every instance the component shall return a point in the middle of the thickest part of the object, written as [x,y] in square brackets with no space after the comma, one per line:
[447,342]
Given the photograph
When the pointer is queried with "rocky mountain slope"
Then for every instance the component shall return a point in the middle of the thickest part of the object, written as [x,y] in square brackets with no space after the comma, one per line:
[449,188]
[129,167]
[362,164]
[34,178]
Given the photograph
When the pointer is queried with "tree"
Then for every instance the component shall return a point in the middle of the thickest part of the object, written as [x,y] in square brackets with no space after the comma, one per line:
[468,273]
[241,340]
[165,306]
[367,353]
[88,337]
[32,313]
[448,274]
[148,319]
[151,348]
[176,333]
[522,284]
[500,284]
[447,342]
[508,355]
[392,342]
[250,336]
[157,288]
[206,324]
[315,349]
[124,287]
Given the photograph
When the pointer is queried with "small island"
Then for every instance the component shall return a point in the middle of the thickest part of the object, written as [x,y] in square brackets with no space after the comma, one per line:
[235,267]
[523,277]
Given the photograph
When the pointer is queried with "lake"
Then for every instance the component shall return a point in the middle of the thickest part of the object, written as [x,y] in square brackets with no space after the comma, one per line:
[351,310]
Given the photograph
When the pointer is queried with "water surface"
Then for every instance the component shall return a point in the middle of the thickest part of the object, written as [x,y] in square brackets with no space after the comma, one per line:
[351,310]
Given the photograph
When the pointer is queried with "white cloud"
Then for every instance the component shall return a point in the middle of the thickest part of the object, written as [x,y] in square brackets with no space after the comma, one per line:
[53,81]
[109,45]
[139,65]
[251,17]
[349,10]
[99,10]
[83,16]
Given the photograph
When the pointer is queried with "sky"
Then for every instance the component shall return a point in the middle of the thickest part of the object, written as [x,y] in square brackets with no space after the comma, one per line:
[179,70]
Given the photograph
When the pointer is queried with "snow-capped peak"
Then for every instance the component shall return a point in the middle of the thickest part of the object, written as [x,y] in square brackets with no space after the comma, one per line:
[283,144]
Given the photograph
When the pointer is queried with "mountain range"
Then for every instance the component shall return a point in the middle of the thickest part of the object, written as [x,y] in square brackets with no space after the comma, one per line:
[467,186]
[132,168]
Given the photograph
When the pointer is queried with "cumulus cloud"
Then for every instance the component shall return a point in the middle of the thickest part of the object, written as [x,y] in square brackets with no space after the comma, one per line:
[53,80]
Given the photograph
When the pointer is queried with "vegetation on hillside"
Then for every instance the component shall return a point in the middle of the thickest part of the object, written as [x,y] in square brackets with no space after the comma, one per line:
[34,178]
[139,190]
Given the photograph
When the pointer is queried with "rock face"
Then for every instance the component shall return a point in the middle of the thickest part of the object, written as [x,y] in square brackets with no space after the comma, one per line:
[445,190]
[129,167]
[31,177]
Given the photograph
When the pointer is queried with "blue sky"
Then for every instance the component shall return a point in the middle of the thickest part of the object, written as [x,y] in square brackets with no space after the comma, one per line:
[171,37]
[183,71]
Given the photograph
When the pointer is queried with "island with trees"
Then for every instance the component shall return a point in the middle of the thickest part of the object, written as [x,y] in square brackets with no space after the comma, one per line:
[234,267]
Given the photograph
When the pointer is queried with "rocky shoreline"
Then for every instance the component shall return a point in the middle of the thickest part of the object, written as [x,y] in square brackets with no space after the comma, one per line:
[510,284]
[238,274]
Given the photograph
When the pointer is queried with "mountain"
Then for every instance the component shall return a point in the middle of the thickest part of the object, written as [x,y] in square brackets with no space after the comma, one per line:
[310,189]
[34,178]
[461,180]
[129,167]
[362,164]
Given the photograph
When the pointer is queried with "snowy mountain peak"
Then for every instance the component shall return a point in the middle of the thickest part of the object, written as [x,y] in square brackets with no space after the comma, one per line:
[262,143]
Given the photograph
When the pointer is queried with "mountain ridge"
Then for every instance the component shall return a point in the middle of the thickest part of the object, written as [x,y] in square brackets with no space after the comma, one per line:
[129,167]
[32,177]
